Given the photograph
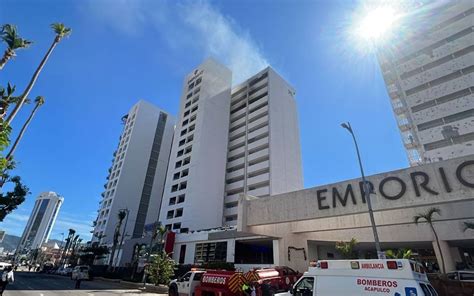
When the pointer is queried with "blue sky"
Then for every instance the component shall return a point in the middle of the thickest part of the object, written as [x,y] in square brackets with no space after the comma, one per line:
[124,50]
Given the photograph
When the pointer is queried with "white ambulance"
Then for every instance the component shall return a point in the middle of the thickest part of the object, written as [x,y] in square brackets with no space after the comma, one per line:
[397,277]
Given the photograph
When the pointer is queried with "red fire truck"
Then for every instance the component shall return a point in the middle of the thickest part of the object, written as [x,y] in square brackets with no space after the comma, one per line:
[229,283]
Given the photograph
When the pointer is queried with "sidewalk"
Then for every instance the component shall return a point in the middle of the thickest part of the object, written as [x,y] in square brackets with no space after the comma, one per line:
[161,289]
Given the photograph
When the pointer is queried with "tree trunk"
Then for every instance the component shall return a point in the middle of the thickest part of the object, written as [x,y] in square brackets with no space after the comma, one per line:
[9,53]
[22,132]
[439,247]
[31,83]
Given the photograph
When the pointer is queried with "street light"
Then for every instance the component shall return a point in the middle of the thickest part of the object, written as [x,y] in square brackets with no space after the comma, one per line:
[367,190]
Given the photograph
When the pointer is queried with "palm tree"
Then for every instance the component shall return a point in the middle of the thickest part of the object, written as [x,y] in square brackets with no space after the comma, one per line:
[10,37]
[6,98]
[39,102]
[69,239]
[61,32]
[468,225]
[121,216]
[428,217]
[399,254]
[346,249]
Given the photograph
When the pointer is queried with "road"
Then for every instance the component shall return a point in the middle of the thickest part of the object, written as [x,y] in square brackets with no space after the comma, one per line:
[34,284]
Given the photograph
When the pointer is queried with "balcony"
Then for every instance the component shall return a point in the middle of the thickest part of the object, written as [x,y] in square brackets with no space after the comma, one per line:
[257,155]
[236,162]
[236,152]
[235,185]
[236,142]
[258,179]
[258,166]
[263,191]
[235,174]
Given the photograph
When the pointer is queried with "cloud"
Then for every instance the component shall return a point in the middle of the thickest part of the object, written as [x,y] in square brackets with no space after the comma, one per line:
[188,25]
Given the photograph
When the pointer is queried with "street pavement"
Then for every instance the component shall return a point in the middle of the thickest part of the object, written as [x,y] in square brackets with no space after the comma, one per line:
[35,284]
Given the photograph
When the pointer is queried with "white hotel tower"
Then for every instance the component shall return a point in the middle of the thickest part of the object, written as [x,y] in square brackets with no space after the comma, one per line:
[429,72]
[41,221]
[137,175]
[228,143]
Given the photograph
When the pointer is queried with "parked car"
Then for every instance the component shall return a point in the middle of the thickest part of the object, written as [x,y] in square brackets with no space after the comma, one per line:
[461,275]
[81,272]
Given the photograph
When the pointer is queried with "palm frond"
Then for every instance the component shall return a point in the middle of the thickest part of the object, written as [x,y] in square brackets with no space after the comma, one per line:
[61,30]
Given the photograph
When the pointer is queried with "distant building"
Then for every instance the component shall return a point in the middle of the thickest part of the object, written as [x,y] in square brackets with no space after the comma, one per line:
[429,73]
[137,175]
[41,221]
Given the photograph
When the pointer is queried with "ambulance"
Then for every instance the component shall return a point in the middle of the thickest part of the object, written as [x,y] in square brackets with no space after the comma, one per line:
[397,277]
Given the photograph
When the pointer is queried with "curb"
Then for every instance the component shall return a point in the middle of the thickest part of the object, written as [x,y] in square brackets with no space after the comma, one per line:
[149,287]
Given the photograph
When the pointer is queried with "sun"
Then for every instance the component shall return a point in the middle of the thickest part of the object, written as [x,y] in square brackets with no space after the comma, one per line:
[376,23]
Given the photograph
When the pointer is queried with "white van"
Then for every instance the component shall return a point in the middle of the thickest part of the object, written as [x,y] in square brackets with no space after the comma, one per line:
[398,277]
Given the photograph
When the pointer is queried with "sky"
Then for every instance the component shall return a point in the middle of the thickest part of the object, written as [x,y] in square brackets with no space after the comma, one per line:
[121,51]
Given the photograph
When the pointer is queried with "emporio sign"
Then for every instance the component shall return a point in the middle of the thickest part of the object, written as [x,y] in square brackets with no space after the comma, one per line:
[394,187]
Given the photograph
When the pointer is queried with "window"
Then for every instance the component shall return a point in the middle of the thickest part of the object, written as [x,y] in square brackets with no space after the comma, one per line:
[168,226]
[188,149]
[194,108]
[185,122]
[191,128]
[182,142]
[169,215]
[195,99]
[184,173]
[186,113]
[180,153]
[176,225]
[190,138]
[189,95]
[178,164]
[425,289]
[174,188]
[192,118]
[181,198]
[172,201]
[305,287]
[191,86]
[230,218]
[183,132]
[178,212]
[230,205]
[210,252]
[176,176]
[187,105]
[198,80]
[464,276]
[183,185]
[186,230]
[187,160]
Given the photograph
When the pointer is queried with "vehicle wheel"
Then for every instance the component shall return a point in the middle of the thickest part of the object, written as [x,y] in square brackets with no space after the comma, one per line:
[173,291]
[272,291]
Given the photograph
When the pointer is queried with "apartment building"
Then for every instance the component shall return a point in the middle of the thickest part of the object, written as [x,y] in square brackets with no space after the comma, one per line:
[194,188]
[263,155]
[429,73]
[41,221]
[137,176]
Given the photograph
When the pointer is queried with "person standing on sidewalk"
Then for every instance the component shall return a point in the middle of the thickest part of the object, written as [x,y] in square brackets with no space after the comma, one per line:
[7,277]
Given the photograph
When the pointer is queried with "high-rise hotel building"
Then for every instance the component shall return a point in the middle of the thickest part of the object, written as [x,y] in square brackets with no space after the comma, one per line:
[41,221]
[228,143]
[137,175]
[193,196]
[429,73]
[263,155]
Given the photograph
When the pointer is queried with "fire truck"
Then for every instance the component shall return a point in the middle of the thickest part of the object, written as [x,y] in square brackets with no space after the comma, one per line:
[266,281]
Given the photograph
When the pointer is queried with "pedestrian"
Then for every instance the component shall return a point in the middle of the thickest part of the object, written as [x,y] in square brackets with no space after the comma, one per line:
[7,277]
[79,277]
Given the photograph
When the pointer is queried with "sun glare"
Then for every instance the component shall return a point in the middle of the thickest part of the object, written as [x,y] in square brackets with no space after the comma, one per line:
[376,23]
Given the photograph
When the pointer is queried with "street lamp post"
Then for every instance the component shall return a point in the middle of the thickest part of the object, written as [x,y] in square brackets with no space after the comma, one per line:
[367,191]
